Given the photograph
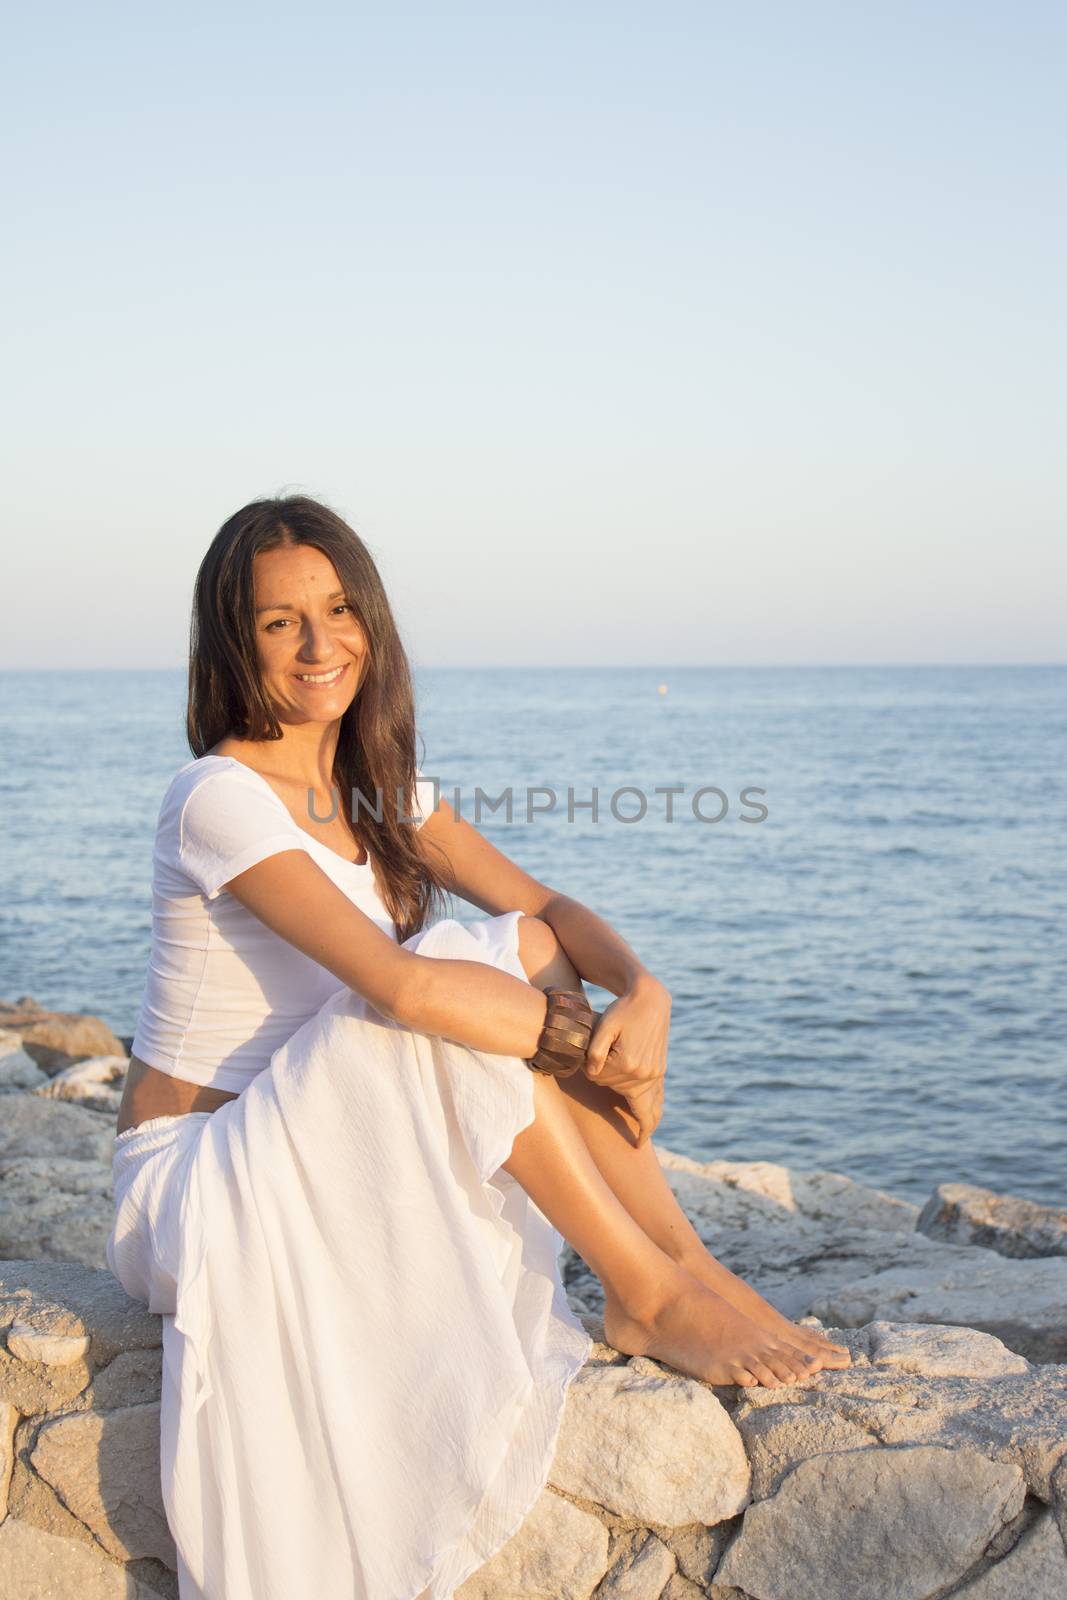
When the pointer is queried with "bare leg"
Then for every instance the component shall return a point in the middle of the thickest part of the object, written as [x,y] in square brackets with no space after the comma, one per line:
[635,1176]
[653,1306]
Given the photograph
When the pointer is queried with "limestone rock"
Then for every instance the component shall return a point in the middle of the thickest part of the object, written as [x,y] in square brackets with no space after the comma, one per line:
[37,1565]
[818,1243]
[691,1464]
[680,1588]
[27,1343]
[817,1197]
[105,1467]
[8,1422]
[95,1069]
[1036,1568]
[129,1379]
[97,1083]
[55,1209]
[55,1039]
[697,1549]
[559,1553]
[66,1298]
[17,1069]
[640,1569]
[1020,1302]
[35,1390]
[1019,1419]
[55,1180]
[1058,1495]
[778,1437]
[685,1490]
[962,1213]
[945,1352]
[897,1523]
[34,1126]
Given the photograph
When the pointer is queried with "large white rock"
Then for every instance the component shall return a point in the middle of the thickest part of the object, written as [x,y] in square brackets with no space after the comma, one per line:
[942,1352]
[37,1565]
[641,1568]
[764,1189]
[17,1069]
[1019,1419]
[55,1208]
[95,1069]
[8,1423]
[559,1553]
[1020,1302]
[56,1038]
[900,1524]
[963,1213]
[27,1343]
[698,1550]
[104,1465]
[1035,1569]
[97,1083]
[34,1126]
[67,1298]
[818,1243]
[690,1465]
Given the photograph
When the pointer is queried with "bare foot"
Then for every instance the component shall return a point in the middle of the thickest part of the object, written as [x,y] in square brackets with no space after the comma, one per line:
[710,1272]
[695,1330]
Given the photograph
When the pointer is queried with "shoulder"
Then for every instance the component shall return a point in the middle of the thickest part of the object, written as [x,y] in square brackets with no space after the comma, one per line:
[217,791]
[218,818]
[217,772]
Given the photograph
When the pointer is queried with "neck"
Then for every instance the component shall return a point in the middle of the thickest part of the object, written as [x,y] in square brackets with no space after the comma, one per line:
[304,755]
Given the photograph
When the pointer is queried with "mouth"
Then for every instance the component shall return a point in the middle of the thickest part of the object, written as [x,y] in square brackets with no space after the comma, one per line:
[322,680]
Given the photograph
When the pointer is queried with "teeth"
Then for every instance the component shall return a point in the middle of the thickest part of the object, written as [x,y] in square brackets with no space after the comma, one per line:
[320,677]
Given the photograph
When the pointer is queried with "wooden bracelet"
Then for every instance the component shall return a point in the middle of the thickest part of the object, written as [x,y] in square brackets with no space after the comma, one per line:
[568,1028]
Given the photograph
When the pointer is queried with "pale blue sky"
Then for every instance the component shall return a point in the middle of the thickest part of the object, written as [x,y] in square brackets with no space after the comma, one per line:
[688,333]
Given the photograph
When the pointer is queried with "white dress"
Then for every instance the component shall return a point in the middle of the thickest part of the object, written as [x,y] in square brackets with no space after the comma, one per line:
[366,1340]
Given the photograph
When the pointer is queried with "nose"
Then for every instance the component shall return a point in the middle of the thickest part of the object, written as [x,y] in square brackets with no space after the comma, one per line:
[316,644]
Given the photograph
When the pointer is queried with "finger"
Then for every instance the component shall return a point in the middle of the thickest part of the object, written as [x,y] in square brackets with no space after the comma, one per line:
[639,1122]
[600,1044]
[627,1117]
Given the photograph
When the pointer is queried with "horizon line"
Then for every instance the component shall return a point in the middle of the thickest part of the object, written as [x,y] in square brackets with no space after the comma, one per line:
[610,666]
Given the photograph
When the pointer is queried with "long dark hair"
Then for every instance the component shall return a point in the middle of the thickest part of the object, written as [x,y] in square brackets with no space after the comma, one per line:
[375,754]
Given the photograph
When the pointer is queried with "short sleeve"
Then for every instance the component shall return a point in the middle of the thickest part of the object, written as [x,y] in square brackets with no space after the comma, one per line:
[228,823]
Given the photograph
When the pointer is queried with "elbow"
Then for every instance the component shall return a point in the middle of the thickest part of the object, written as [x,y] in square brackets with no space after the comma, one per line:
[403,999]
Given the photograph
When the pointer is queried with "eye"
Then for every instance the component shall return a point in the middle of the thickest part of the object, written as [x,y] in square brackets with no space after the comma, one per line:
[279,622]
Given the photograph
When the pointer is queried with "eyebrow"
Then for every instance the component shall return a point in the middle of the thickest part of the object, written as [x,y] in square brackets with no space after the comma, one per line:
[284,605]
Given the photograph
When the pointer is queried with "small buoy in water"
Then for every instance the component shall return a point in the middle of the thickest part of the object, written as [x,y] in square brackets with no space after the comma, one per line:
[663,688]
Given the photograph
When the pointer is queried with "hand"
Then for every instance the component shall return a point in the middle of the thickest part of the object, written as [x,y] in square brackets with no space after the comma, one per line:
[628,1051]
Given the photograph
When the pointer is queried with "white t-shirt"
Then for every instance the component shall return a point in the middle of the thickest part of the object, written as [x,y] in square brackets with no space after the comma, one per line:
[222,991]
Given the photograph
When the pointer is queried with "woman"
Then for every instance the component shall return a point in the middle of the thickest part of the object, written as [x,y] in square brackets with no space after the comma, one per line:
[336,1178]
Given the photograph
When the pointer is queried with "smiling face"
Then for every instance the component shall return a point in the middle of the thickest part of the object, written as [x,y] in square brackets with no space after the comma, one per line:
[311,646]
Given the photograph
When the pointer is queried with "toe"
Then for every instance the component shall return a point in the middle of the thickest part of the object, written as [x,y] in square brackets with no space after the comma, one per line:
[785,1368]
[806,1362]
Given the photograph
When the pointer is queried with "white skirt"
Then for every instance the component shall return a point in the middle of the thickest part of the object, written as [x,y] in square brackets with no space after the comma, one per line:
[366,1340]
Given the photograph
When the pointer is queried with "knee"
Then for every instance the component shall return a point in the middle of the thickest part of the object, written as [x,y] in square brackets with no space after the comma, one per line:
[538,946]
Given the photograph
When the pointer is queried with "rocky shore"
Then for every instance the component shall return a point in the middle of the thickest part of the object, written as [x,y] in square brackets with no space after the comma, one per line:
[935,1466]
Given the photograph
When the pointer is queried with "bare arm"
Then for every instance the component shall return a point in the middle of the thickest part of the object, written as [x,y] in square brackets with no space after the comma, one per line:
[484,875]
[468,1001]
[628,1050]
